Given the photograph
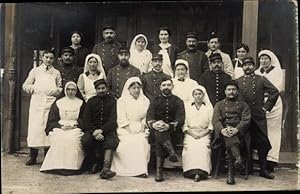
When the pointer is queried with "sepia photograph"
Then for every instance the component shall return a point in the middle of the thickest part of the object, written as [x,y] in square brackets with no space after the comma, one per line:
[149,96]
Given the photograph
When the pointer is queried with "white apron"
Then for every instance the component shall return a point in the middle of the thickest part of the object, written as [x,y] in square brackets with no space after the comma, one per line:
[40,105]
[196,152]
[133,153]
[66,150]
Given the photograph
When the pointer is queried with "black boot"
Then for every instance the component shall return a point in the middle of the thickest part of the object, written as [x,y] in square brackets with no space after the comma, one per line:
[172,154]
[33,155]
[159,169]
[263,169]
[238,163]
[230,172]
[106,173]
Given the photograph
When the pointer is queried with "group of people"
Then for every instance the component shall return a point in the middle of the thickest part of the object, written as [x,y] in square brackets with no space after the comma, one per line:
[102,111]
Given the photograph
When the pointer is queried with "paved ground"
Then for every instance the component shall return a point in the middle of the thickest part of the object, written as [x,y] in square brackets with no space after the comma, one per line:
[18,178]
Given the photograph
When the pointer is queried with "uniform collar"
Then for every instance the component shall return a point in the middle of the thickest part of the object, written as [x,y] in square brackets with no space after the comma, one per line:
[262,70]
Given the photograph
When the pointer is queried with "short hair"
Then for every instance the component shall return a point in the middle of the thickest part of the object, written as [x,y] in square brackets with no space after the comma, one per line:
[165,29]
[244,46]
[49,51]
[165,79]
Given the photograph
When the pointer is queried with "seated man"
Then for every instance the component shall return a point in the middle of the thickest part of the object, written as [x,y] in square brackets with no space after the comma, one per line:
[100,120]
[231,120]
[165,115]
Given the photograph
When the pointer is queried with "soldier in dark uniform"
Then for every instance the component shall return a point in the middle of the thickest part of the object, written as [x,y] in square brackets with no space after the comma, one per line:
[151,80]
[100,136]
[214,80]
[197,59]
[108,49]
[68,70]
[118,75]
[253,90]
[231,120]
[166,115]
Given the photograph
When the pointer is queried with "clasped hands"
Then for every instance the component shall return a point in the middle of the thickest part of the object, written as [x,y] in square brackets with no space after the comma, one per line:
[229,131]
[161,126]
[98,135]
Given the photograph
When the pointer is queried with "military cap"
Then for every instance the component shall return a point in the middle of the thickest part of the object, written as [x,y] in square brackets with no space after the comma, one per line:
[67,49]
[109,27]
[157,57]
[248,60]
[123,50]
[99,82]
[192,35]
[212,35]
[232,83]
[215,56]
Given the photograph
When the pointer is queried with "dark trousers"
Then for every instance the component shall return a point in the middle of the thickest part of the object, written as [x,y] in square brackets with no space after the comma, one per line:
[159,139]
[259,141]
[93,149]
[232,144]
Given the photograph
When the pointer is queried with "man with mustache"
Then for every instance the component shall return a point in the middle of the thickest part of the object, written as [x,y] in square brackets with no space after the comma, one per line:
[231,120]
[198,62]
[68,70]
[118,75]
[215,79]
[166,114]
[213,45]
[108,49]
[100,136]
[152,79]
[254,89]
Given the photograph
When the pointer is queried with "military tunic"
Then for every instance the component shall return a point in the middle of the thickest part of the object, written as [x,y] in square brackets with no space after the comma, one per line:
[99,113]
[214,84]
[198,62]
[235,113]
[252,90]
[108,53]
[171,110]
[151,83]
[117,77]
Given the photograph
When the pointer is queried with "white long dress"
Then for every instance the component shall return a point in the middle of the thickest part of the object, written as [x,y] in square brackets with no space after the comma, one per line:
[133,153]
[183,89]
[274,117]
[42,84]
[65,146]
[196,152]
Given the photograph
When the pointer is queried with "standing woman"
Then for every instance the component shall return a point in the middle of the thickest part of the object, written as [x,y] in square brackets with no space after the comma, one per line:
[133,153]
[196,160]
[140,56]
[93,70]
[182,83]
[271,69]
[64,124]
[168,50]
[80,52]
[242,51]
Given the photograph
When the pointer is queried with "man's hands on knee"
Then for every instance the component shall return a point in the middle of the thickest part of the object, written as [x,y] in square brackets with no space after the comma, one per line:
[98,135]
